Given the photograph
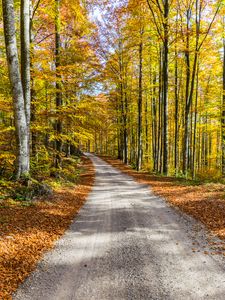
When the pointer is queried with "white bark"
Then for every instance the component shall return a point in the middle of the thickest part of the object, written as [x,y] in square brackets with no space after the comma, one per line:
[17,89]
[25,54]
[25,59]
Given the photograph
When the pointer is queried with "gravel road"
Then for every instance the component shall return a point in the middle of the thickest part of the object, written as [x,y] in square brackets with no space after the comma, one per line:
[126,243]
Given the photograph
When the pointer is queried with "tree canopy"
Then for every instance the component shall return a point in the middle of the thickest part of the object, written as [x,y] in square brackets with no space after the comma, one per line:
[140,80]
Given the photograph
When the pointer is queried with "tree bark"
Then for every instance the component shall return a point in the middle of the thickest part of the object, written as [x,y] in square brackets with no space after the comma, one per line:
[159,136]
[139,149]
[21,126]
[223,113]
[154,126]
[195,126]
[25,60]
[176,116]
[165,110]
[58,96]
[125,132]
[25,54]
[165,87]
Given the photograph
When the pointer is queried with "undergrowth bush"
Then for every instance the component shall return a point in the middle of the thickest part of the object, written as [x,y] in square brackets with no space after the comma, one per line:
[34,189]
[41,163]
[7,160]
[210,174]
[69,171]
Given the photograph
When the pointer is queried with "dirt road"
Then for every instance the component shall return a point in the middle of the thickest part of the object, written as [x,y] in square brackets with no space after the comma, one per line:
[126,243]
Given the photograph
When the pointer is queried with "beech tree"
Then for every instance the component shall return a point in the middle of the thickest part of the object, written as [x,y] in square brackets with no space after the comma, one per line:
[141,66]
[223,106]
[25,60]
[176,116]
[160,14]
[21,125]
[58,96]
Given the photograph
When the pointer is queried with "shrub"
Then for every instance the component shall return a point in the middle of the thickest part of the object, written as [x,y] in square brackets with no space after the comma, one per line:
[209,174]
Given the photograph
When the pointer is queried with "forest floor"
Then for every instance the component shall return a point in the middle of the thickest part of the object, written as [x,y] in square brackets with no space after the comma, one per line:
[127,243]
[29,228]
[204,201]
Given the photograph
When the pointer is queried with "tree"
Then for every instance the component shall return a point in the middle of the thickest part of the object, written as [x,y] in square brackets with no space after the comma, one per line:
[223,108]
[140,100]
[161,21]
[169,116]
[159,105]
[22,131]
[25,60]
[58,95]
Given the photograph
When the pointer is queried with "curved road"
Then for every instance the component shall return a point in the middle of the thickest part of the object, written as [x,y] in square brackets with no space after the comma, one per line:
[125,243]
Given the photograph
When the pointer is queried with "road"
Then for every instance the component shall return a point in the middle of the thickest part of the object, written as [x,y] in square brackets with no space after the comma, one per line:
[126,243]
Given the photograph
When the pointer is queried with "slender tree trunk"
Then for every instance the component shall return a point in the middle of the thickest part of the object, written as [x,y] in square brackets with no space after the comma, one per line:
[25,55]
[139,149]
[223,113]
[159,144]
[121,121]
[165,87]
[154,126]
[33,136]
[146,130]
[195,127]
[33,133]
[125,133]
[191,89]
[187,87]
[176,117]
[124,101]
[58,96]
[119,139]
[124,105]
[176,104]
[22,132]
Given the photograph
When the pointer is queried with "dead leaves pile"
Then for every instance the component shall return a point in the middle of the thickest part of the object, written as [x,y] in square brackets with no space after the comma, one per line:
[27,232]
[205,202]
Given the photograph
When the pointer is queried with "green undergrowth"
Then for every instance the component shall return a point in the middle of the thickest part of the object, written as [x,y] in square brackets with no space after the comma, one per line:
[42,183]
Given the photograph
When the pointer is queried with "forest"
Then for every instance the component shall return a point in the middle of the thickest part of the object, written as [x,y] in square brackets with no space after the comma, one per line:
[165,76]
[137,84]
[139,80]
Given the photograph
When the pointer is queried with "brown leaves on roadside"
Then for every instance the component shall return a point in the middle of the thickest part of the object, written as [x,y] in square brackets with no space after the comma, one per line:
[205,202]
[27,232]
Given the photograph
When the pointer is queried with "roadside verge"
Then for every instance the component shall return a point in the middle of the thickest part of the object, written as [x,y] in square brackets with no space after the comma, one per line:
[204,202]
[26,233]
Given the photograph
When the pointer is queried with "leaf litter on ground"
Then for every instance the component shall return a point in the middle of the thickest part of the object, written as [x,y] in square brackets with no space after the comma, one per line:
[205,201]
[28,229]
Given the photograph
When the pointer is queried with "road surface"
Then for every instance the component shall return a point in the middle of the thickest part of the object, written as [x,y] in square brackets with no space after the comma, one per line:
[126,243]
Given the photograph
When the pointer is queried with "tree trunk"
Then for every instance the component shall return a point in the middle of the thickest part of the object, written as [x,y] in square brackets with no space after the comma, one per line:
[159,144]
[139,149]
[195,127]
[188,75]
[125,132]
[165,88]
[223,113]
[25,55]
[33,133]
[190,84]
[58,96]
[22,132]
[176,117]
[154,126]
